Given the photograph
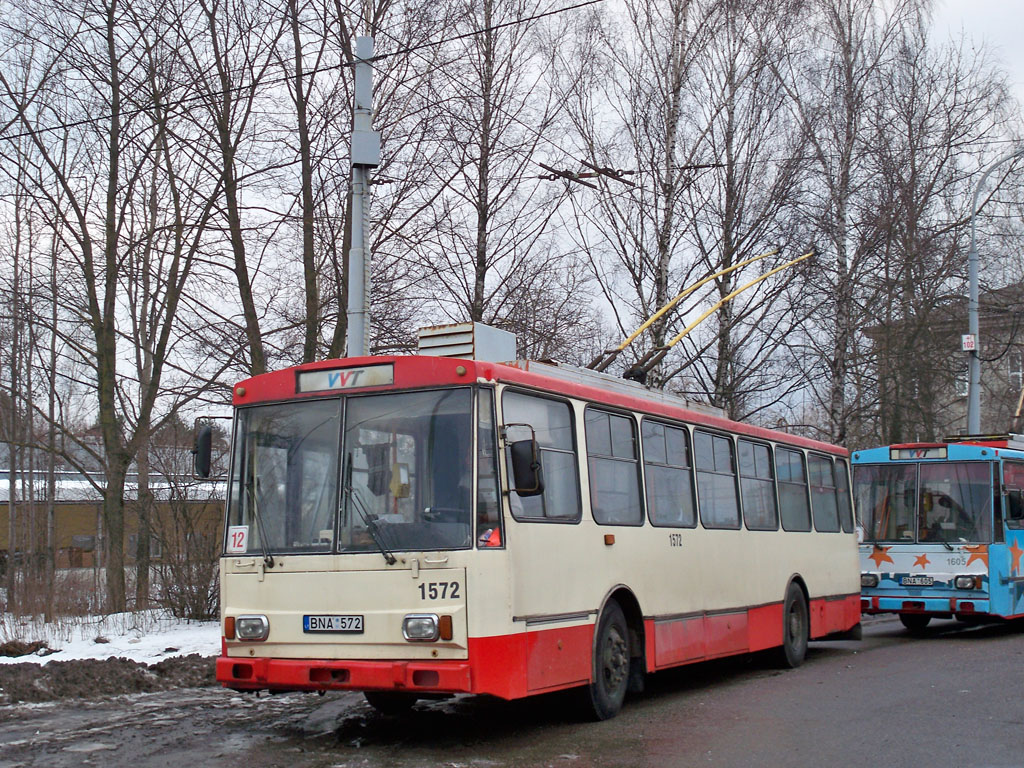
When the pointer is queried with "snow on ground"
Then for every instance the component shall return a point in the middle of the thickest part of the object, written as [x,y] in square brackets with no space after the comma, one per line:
[147,637]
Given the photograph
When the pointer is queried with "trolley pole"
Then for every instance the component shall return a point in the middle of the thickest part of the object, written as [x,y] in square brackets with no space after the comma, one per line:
[974,361]
[365,154]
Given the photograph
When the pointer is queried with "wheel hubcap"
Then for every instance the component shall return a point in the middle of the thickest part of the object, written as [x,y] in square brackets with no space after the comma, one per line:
[796,626]
[616,659]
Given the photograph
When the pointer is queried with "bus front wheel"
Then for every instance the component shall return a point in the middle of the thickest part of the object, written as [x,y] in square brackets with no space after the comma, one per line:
[610,674]
[914,622]
[795,628]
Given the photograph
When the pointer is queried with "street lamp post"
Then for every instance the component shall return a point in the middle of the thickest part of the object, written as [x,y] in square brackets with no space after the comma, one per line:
[974,361]
[365,155]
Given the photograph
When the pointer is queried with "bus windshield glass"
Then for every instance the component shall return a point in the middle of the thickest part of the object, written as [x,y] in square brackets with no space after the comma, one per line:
[956,502]
[284,478]
[944,502]
[407,472]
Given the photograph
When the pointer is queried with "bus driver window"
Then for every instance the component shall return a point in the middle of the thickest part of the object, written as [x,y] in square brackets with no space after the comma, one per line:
[1013,485]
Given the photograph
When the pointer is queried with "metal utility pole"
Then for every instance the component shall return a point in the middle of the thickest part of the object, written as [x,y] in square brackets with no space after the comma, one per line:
[972,345]
[365,154]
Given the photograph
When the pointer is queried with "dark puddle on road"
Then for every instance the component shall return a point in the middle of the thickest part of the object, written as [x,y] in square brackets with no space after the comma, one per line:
[470,731]
[548,730]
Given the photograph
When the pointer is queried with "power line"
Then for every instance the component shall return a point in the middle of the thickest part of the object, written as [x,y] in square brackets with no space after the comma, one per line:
[171,105]
[415,48]
[503,111]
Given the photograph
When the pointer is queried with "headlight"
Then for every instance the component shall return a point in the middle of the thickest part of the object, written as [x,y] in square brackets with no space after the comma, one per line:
[869,580]
[252,627]
[967,582]
[420,626]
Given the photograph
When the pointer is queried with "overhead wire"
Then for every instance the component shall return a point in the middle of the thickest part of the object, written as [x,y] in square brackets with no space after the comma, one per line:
[284,79]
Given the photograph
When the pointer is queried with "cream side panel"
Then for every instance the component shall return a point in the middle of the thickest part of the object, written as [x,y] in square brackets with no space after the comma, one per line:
[712,570]
[560,569]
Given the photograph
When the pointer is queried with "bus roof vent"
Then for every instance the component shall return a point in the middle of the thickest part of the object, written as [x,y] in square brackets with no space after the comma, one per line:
[473,341]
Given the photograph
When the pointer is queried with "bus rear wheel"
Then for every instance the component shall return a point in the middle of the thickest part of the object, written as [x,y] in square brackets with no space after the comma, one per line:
[795,628]
[390,702]
[610,674]
[914,622]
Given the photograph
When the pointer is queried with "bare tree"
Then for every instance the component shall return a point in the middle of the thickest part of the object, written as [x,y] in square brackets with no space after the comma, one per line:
[742,206]
[831,86]
[938,105]
[228,52]
[626,92]
[487,218]
[120,128]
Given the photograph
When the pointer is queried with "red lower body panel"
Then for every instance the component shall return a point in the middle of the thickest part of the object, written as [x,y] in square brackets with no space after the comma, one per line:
[834,614]
[687,639]
[514,666]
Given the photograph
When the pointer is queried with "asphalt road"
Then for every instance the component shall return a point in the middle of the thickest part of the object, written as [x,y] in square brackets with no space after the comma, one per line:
[951,698]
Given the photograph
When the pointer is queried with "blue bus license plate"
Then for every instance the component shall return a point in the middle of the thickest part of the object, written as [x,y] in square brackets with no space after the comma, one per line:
[320,623]
[917,581]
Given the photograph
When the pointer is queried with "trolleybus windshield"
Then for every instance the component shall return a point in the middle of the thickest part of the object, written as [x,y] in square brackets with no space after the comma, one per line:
[407,472]
[941,502]
[400,480]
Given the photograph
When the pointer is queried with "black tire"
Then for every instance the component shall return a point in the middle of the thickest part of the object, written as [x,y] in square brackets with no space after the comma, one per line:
[914,622]
[390,702]
[796,628]
[610,674]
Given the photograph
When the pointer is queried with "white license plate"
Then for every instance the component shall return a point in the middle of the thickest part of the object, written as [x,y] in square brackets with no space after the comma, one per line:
[321,623]
[917,581]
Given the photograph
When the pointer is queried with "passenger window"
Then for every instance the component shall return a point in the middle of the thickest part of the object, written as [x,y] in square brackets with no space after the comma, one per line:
[757,486]
[843,495]
[823,494]
[716,481]
[552,425]
[614,465]
[792,478]
[668,475]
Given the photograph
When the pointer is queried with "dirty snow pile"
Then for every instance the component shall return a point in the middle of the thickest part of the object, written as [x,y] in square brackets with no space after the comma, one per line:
[145,636]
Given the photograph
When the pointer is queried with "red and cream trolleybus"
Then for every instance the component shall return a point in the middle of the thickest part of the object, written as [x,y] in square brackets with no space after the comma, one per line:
[414,526]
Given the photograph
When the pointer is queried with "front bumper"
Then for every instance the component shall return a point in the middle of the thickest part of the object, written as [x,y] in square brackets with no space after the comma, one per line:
[945,605]
[335,675]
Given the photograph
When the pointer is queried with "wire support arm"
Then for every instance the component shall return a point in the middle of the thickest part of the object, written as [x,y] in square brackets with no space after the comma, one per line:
[654,356]
[608,356]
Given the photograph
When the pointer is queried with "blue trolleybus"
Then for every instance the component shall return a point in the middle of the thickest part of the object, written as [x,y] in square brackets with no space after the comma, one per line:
[943,530]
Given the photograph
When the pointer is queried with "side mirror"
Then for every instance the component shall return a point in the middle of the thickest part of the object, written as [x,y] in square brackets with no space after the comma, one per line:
[526,470]
[202,451]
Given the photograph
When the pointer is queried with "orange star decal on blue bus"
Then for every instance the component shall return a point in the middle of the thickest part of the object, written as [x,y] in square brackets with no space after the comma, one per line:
[1016,552]
[881,555]
[923,561]
[978,552]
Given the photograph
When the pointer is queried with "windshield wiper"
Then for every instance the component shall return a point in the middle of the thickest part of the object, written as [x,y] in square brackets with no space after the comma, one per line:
[369,520]
[268,559]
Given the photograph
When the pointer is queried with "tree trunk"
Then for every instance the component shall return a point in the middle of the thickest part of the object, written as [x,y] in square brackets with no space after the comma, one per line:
[311,321]
[113,520]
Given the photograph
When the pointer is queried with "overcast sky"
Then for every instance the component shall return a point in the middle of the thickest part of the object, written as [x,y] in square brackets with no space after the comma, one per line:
[998,22]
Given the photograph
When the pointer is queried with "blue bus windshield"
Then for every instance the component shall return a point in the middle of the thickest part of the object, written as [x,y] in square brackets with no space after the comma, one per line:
[947,502]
